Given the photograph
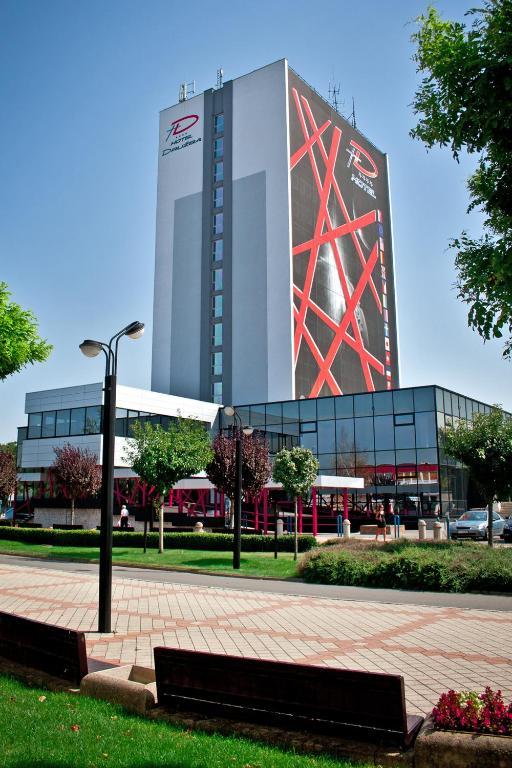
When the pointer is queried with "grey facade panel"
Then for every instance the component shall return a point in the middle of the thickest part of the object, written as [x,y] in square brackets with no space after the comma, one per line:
[249,286]
[186,297]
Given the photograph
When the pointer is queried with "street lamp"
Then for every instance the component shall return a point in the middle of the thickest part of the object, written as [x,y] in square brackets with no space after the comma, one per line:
[230,411]
[91,348]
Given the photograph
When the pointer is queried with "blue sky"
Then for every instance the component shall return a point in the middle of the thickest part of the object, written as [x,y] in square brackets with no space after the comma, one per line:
[81,85]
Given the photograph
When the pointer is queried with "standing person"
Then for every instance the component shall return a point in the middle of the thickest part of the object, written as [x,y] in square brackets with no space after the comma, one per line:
[227,512]
[124,516]
[380,518]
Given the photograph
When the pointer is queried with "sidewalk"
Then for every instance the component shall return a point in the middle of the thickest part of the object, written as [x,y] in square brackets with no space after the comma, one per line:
[434,648]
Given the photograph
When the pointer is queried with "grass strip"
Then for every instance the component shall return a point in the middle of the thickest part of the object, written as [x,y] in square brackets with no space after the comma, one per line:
[57,730]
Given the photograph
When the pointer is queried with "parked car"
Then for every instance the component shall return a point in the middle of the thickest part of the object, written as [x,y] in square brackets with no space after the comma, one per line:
[507,530]
[473,525]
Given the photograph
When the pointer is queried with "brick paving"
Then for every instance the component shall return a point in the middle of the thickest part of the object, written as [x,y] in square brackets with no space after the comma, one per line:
[434,648]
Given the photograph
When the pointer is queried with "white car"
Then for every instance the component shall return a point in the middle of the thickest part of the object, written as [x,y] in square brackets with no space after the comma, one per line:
[473,525]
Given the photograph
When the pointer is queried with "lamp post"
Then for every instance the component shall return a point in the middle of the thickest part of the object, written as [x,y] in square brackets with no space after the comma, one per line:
[92,348]
[230,411]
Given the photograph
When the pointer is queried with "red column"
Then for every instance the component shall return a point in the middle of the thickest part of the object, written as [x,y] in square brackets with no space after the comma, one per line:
[315,516]
[256,516]
[265,511]
[300,515]
[345,504]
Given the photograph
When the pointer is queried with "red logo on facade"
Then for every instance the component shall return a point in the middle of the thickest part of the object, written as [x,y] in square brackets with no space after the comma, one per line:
[355,157]
[183,124]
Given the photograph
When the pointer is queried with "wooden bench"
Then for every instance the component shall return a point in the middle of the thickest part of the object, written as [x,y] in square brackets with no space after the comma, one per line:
[360,705]
[54,650]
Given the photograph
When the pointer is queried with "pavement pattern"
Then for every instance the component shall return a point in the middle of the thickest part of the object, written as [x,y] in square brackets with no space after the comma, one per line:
[434,647]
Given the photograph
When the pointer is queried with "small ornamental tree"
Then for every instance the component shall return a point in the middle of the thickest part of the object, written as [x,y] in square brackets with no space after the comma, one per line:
[8,476]
[296,469]
[485,447]
[19,341]
[78,472]
[256,466]
[163,457]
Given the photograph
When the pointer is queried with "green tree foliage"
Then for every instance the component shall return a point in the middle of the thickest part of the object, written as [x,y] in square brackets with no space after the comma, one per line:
[8,475]
[296,470]
[19,340]
[11,448]
[485,447]
[78,471]
[163,457]
[465,102]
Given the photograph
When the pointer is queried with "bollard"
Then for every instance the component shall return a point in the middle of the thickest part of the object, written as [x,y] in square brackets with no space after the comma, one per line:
[422,527]
[280,527]
[437,528]
[198,527]
[346,529]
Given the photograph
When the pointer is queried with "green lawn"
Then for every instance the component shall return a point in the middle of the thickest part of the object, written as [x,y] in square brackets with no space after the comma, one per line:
[58,730]
[260,564]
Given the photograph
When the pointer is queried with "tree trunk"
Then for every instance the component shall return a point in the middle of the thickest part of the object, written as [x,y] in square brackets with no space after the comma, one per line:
[489,522]
[295,531]
[161,526]
[72,511]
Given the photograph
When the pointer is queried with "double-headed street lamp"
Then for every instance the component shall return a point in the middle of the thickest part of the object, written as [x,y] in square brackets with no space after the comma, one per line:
[230,411]
[92,348]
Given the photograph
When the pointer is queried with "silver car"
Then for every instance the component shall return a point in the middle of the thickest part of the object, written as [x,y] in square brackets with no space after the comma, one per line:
[473,525]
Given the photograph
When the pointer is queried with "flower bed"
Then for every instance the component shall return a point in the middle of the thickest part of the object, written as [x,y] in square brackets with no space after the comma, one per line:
[469,711]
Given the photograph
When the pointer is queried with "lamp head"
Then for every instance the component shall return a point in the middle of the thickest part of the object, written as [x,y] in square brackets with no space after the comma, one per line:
[229,410]
[248,431]
[90,348]
[135,330]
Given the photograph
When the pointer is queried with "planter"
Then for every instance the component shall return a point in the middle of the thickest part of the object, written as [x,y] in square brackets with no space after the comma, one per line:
[458,749]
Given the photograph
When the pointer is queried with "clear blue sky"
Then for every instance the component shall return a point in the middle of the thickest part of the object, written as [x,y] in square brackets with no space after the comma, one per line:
[81,85]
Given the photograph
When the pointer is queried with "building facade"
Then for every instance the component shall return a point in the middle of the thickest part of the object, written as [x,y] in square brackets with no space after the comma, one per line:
[274,271]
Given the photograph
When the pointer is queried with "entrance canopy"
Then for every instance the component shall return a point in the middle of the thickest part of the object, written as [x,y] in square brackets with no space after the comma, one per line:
[201,482]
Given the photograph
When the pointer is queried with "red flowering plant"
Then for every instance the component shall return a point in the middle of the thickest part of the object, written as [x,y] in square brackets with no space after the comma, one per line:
[469,711]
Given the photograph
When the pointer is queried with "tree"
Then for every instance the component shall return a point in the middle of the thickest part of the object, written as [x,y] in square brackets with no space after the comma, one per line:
[8,476]
[78,471]
[256,467]
[296,469]
[163,457]
[485,447]
[465,101]
[11,448]
[19,340]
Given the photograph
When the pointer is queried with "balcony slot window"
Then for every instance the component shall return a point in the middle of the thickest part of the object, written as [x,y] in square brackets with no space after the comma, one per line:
[217,279]
[218,123]
[218,197]
[217,250]
[218,149]
[217,364]
[217,306]
[217,392]
[218,171]
[217,335]
[218,223]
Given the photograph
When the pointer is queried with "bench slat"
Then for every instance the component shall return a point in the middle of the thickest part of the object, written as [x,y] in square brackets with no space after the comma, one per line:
[55,650]
[362,704]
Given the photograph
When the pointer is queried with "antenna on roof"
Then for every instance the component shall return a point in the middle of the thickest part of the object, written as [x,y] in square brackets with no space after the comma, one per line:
[352,116]
[187,90]
[220,76]
[334,92]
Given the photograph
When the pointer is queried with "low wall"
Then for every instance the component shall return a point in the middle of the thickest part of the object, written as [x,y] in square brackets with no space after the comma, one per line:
[47,516]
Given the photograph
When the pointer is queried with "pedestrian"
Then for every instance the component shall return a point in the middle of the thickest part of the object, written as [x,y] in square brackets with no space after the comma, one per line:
[124,517]
[380,518]
[227,511]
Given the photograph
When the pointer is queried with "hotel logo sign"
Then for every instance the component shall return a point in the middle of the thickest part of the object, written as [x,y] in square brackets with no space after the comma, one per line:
[178,135]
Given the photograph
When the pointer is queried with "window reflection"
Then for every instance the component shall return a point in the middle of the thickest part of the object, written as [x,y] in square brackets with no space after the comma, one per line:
[48,429]
[62,423]
[77,421]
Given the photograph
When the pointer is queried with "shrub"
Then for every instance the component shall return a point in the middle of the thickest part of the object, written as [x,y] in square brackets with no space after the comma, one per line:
[219,542]
[469,711]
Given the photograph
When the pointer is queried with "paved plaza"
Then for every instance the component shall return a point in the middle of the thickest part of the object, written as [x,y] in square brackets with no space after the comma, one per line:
[433,647]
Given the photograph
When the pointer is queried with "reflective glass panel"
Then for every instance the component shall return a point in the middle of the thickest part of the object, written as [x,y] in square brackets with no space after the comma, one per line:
[274,413]
[218,148]
[217,306]
[384,433]
[327,462]
[77,421]
[257,415]
[218,249]
[404,418]
[62,423]
[291,410]
[382,403]
[425,430]
[93,420]
[218,224]
[403,401]
[424,399]
[218,197]
[325,408]
[344,435]
[308,440]
[344,406]
[217,335]
[217,364]
[346,464]
[364,434]
[218,123]
[34,424]
[326,436]
[218,172]
[363,405]
[308,426]
[307,410]
[48,429]
[404,437]
[439,400]
[217,279]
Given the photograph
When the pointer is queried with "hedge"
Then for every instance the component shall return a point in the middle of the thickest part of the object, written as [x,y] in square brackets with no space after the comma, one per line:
[219,542]
[427,566]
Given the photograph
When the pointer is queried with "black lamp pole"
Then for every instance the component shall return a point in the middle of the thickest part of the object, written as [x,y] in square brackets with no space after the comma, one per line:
[92,348]
[237,537]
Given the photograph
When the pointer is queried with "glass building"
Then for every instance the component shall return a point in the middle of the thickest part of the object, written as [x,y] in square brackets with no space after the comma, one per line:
[390,438]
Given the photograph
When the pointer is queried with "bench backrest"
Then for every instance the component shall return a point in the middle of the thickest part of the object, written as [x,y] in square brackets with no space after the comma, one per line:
[55,650]
[337,700]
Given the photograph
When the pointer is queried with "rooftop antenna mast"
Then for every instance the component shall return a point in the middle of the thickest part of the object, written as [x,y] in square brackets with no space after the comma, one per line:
[352,116]
[334,92]
[187,90]
[220,77]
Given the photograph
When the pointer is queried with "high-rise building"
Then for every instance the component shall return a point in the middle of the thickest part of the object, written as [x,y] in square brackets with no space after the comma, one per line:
[274,271]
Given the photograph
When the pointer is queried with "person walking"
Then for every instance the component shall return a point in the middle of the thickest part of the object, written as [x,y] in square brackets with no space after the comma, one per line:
[124,517]
[380,518]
